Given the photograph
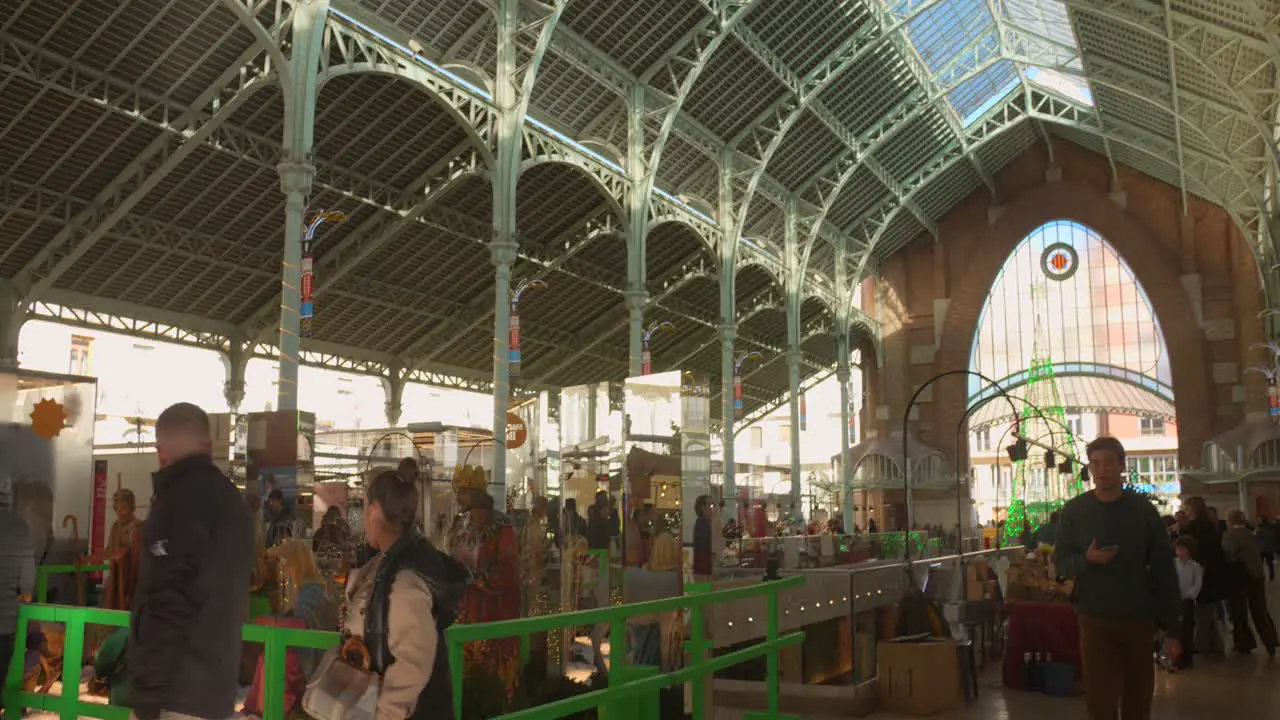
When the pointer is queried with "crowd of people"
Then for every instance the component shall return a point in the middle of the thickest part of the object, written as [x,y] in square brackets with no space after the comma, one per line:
[186,573]
[1232,558]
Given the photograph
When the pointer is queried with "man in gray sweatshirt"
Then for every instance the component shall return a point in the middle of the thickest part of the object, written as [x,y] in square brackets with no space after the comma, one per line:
[1113,544]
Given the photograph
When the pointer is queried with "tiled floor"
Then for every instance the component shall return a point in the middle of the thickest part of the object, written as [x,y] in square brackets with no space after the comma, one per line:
[1216,688]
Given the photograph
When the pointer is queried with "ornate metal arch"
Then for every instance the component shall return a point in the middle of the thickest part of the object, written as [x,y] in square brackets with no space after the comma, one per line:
[608,185]
[360,54]
[708,239]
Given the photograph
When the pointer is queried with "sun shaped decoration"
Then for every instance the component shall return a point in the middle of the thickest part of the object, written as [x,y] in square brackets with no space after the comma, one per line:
[48,418]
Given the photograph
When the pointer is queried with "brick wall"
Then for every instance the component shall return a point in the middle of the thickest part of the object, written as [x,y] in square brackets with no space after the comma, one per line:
[1197,271]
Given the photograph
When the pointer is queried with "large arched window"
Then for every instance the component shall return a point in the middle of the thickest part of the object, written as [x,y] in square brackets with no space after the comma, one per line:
[1064,296]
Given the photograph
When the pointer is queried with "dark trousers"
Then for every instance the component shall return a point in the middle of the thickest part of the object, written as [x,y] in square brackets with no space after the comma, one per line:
[1187,633]
[1269,559]
[1119,677]
[1249,600]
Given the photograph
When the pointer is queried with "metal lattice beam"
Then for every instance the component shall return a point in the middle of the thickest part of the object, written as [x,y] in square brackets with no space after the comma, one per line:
[95,313]
[185,130]
[768,130]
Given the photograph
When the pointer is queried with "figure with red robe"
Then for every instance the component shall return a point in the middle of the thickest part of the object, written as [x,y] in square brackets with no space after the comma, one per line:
[485,542]
[123,553]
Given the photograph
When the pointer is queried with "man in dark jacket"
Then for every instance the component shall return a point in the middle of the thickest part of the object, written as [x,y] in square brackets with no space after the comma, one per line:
[188,609]
[1112,542]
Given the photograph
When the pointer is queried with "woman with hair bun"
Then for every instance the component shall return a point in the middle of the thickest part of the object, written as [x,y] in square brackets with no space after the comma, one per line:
[401,602]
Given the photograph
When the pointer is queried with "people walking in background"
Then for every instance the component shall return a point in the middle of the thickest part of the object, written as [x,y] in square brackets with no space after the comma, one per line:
[1113,543]
[1248,598]
[602,522]
[279,519]
[1267,533]
[1190,579]
[1201,526]
[17,577]
[189,609]
[703,509]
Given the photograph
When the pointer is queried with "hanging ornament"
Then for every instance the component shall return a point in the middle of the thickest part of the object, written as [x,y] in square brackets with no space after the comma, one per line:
[48,418]
[306,308]
[737,381]
[513,337]
[804,410]
[646,359]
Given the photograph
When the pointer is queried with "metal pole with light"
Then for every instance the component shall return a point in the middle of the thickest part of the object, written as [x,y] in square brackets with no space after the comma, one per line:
[306,305]
[646,359]
[513,337]
[906,418]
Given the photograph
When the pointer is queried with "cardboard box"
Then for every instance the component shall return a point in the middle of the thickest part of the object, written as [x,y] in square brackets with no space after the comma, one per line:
[918,676]
[977,585]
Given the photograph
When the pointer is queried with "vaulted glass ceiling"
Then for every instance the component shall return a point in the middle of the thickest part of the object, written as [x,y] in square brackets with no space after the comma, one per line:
[979,51]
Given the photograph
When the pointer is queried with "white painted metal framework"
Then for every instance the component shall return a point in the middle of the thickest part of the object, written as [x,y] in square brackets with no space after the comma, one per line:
[734,167]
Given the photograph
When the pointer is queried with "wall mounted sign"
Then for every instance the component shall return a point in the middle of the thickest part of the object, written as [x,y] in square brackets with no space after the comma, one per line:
[517,431]
[48,418]
[1059,261]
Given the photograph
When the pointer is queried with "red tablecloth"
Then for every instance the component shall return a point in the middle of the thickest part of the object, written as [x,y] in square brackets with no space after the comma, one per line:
[1036,627]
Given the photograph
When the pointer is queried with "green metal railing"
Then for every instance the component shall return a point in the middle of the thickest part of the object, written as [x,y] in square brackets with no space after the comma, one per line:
[633,692]
[68,705]
[44,571]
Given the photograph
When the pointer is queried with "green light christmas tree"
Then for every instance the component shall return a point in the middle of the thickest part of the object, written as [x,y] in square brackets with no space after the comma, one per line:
[1036,490]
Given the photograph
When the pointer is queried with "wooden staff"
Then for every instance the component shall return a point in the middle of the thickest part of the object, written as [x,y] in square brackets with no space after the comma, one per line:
[81,598]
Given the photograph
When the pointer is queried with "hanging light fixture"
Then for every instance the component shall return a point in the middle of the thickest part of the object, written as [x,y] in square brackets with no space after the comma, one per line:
[306,306]
[1050,462]
[646,359]
[737,381]
[1066,467]
[513,332]
[1017,451]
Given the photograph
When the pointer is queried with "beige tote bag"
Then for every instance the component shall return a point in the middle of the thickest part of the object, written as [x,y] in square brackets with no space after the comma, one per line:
[343,687]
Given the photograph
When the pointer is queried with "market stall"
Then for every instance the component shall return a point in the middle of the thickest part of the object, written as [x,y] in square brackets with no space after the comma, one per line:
[1042,643]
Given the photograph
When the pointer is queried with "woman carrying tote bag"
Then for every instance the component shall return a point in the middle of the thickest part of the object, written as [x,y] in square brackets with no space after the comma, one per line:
[397,608]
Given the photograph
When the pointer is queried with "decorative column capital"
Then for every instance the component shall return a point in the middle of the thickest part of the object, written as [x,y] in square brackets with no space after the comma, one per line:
[728,332]
[843,374]
[636,299]
[296,177]
[795,356]
[394,407]
[233,391]
[503,252]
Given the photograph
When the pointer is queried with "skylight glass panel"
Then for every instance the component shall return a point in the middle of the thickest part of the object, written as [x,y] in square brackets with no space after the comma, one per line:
[978,61]
[975,96]
[959,42]
[1041,29]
